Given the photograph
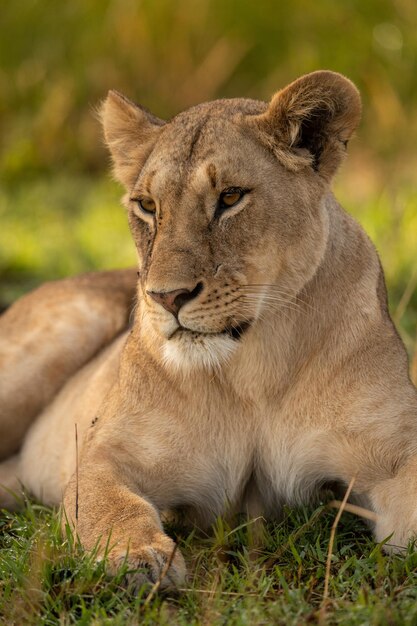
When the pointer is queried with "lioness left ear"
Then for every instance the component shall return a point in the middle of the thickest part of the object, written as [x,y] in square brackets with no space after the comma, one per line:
[310,121]
[130,132]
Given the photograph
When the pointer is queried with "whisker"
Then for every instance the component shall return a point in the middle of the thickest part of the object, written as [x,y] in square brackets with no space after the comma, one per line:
[296,299]
[280,291]
[270,298]
[271,303]
[273,287]
[282,309]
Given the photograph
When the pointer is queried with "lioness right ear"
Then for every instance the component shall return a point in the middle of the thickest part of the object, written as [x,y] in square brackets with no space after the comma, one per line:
[130,132]
[310,121]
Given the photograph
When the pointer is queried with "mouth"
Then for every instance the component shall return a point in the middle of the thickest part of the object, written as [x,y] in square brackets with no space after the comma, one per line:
[235,332]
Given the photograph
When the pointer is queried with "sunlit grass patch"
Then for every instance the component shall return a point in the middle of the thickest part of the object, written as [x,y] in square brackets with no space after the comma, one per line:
[46,578]
[56,228]
[390,220]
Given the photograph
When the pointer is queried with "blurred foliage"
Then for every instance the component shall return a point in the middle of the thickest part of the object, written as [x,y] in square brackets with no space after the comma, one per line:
[58,209]
[57,227]
[58,59]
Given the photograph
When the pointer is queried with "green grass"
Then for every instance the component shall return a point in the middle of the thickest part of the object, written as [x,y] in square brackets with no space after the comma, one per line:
[45,579]
[56,228]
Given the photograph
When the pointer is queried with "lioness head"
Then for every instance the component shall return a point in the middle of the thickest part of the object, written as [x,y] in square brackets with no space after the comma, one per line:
[226,207]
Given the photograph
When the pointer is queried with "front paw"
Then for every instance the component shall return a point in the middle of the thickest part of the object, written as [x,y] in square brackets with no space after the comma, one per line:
[149,563]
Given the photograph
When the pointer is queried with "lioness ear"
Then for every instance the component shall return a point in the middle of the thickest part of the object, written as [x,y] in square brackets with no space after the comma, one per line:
[130,132]
[310,121]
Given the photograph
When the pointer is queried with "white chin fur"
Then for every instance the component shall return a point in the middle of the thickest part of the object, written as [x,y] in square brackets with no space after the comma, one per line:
[186,353]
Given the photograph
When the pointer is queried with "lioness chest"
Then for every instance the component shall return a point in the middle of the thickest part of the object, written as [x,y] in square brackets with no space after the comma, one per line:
[221,462]
[215,455]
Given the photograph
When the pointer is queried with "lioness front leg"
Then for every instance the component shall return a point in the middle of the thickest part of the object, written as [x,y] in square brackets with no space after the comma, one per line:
[394,501]
[106,513]
[384,471]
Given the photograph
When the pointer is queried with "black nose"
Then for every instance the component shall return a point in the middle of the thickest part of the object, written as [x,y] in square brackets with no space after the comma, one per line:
[172,301]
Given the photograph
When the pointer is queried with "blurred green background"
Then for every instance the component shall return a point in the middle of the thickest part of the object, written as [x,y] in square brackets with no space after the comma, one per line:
[60,210]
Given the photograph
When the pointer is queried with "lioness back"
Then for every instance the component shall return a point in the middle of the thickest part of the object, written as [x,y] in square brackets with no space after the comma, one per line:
[48,335]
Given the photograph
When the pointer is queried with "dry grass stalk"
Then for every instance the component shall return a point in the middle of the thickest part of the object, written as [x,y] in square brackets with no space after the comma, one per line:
[162,575]
[214,70]
[414,364]
[76,477]
[406,297]
[322,613]
[355,509]
[232,594]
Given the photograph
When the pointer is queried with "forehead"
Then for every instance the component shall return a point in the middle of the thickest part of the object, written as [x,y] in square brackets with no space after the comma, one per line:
[204,142]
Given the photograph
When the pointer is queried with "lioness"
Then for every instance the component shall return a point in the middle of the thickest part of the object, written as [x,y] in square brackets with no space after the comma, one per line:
[262,361]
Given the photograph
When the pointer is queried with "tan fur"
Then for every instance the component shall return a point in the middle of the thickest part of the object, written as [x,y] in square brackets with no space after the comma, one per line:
[282,370]
[79,315]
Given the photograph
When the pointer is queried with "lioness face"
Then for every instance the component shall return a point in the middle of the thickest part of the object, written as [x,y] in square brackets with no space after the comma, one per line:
[228,222]
[215,218]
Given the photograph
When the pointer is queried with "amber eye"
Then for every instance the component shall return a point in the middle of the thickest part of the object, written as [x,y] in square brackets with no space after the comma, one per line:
[147,205]
[228,198]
